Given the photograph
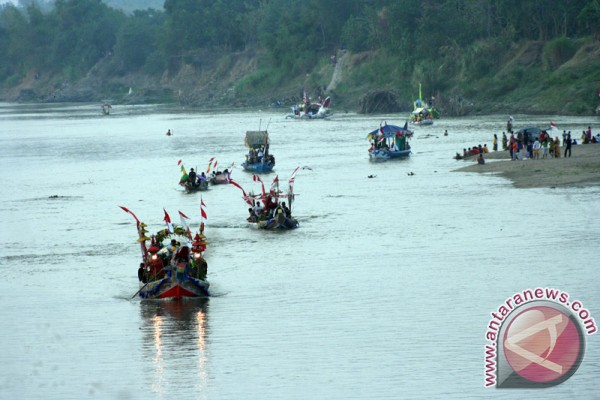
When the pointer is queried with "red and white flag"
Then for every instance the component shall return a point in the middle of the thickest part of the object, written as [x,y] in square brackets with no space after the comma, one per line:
[183,218]
[202,212]
[256,178]
[168,221]
[275,184]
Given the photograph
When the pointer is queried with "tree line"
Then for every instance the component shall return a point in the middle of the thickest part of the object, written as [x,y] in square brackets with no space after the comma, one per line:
[72,36]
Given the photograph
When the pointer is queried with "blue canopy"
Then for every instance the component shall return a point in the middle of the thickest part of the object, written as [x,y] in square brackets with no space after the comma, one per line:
[390,131]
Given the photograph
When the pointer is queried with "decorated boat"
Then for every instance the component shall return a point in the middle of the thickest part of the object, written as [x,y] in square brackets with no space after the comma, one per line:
[192,182]
[173,264]
[269,210]
[424,111]
[310,110]
[218,177]
[389,142]
[259,159]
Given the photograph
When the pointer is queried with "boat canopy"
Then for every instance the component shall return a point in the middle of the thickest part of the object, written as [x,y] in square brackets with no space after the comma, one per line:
[390,131]
[256,139]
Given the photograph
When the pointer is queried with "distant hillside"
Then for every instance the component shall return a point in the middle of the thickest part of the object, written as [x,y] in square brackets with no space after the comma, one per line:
[131,5]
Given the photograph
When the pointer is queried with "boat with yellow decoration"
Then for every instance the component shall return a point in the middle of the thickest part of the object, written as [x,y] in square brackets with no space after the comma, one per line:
[173,263]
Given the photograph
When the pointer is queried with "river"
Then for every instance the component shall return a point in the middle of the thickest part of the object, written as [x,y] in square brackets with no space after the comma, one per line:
[384,291]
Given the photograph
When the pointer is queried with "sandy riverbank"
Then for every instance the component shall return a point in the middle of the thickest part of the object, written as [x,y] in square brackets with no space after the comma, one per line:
[581,169]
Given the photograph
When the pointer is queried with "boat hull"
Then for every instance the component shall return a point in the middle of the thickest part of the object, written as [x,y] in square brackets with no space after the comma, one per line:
[258,167]
[169,288]
[275,224]
[382,155]
[200,188]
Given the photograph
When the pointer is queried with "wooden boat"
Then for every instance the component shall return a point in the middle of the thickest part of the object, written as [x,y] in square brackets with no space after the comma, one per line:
[308,110]
[192,182]
[173,266]
[259,159]
[389,142]
[269,210]
[219,177]
[424,111]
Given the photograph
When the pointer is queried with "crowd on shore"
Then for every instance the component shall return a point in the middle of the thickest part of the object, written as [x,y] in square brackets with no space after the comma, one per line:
[531,145]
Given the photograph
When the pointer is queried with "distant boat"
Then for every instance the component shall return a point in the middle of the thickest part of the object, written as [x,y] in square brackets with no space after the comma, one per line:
[423,112]
[389,142]
[308,110]
[259,158]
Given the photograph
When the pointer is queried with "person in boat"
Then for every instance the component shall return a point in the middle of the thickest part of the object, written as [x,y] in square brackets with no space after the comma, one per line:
[270,206]
[202,178]
[226,173]
[253,217]
[286,210]
[258,208]
[259,155]
[192,177]
[180,260]
[142,276]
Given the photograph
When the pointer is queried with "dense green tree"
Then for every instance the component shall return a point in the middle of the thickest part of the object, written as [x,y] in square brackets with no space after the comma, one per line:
[137,39]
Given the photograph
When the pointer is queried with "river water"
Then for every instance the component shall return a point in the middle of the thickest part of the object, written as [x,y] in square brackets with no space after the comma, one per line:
[385,290]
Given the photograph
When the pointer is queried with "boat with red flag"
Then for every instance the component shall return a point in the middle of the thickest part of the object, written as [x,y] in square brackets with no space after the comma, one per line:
[173,264]
[268,210]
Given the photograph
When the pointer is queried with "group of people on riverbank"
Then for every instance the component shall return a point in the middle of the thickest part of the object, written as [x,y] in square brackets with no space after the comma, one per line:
[525,144]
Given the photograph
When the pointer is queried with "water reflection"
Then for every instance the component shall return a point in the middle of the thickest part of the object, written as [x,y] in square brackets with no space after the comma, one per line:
[174,343]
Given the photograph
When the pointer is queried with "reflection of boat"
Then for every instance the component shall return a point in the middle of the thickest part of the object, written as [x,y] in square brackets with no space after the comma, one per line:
[269,210]
[258,159]
[172,267]
[169,325]
[308,110]
[423,112]
[106,109]
[389,141]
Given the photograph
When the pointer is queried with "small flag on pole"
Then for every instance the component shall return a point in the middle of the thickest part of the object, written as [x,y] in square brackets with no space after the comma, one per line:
[183,218]
[168,221]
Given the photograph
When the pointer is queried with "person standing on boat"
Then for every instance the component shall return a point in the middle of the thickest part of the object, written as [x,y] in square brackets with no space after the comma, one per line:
[192,177]
[286,210]
[258,208]
[202,178]
[259,155]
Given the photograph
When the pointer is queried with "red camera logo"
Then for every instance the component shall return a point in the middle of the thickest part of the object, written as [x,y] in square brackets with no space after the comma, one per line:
[536,339]
[542,344]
